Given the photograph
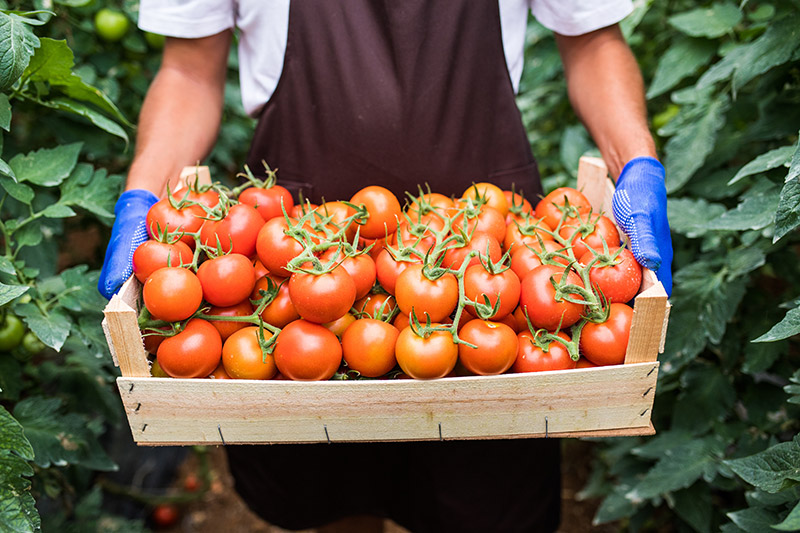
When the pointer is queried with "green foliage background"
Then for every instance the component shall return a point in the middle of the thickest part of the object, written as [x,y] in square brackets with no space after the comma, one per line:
[723,89]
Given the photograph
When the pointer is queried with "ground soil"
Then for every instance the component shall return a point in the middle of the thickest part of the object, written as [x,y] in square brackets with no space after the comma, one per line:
[220,509]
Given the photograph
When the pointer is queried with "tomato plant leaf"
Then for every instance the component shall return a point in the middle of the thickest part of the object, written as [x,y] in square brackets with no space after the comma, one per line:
[18,191]
[772,470]
[687,150]
[615,506]
[657,446]
[792,520]
[11,383]
[684,58]
[711,22]
[7,266]
[47,167]
[95,117]
[694,505]
[787,327]
[53,63]
[5,112]
[17,506]
[17,45]
[52,329]
[767,161]
[707,395]
[92,190]
[794,166]
[60,439]
[754,519]
[787,214]
[690,216]
[10,292]
[58,211]
[80,290]
[678,469]
[775,47]
[12,437]
[756,211]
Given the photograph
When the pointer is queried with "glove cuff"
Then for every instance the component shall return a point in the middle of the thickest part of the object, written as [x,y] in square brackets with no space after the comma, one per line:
[135,198]
[641,168]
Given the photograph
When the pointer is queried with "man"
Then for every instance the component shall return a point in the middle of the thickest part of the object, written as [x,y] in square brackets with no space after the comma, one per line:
[395,93]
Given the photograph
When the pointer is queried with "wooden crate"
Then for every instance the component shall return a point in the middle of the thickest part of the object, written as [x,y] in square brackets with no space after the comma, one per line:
[594,402]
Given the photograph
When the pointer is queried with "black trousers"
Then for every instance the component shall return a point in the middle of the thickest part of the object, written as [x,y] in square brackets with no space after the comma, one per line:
[460,486]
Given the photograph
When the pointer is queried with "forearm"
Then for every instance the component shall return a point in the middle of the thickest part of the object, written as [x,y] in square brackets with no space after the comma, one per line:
[180,118]
[607,92]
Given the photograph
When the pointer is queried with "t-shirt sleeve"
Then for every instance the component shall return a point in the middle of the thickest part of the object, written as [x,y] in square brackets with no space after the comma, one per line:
[186,18]
[576,17]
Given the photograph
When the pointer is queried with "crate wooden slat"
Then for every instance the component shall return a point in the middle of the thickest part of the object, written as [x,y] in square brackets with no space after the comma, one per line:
[595,402]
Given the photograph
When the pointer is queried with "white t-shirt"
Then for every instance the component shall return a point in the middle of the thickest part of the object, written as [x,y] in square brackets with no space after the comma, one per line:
[264,26]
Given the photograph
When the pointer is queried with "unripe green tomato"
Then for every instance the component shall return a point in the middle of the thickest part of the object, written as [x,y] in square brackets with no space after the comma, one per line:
[154,40]
[662,119]
[111,25]
[12,330]
[31,343]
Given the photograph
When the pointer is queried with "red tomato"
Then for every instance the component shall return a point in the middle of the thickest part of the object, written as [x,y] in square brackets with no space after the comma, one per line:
[478,282]
[165,515]
[436,298]
[322,298]
[306,351]
[275,248]
[490,193]
[619,283]
[480,242]
[518,206]
[237,232]
[368,347]
[606,343]
[537,296]
[152,255]
[338,213]
[425,203]
[604,230]
[523,261]
[193,353]
[268,201]
[489,220]
[531,358]
[172,294]
[338,326]
[527,232]
[280,311]
[153,340]
[163,217]
[371,304]
[219,372]
[383,208]
[208,198]
[401,321]
[426,358]
[259,268]
[227,328]
[227,279]
[585,363]
[388,269]
[363,271]
[242,356]
[496,347]
[548,207]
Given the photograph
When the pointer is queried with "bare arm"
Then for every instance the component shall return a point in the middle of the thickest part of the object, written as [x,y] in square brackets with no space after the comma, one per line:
[607,92]
[181,114]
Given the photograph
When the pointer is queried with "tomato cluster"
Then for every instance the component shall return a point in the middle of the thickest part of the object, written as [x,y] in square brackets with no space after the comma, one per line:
[242,283]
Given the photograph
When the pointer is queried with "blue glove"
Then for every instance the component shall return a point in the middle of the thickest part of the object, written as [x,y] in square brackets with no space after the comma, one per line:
[640,208]
[129,231]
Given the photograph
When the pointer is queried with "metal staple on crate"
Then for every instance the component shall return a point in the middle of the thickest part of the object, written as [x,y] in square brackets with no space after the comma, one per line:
[325,427]
[441,439]
[546,428]
[219,429]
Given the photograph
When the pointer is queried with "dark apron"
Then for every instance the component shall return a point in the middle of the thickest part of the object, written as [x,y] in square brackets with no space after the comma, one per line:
[398,93]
